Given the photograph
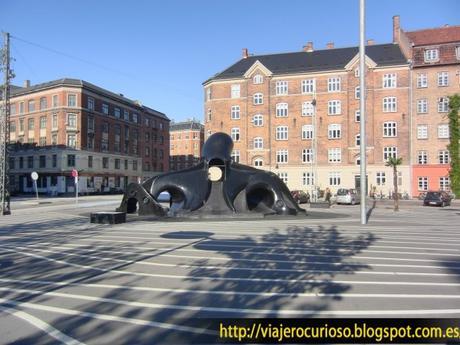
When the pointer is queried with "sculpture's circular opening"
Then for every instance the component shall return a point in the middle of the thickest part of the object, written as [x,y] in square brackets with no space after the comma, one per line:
[260,197]
[131,205]
[176,197]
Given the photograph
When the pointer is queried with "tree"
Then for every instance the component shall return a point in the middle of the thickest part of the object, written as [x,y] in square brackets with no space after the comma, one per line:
[453,147]
[394,162]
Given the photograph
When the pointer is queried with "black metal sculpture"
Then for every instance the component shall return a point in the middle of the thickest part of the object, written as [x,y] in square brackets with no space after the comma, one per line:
[215,186]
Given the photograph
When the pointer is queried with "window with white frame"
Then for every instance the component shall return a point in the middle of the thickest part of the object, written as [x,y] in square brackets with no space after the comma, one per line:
[258,79]
[235,91]
[389,104]
[258,98]
[443,79]
[308,178]
[333,84]
[307,155]
[126,115]
[282,156]
[457,52]
[307,132]
[443,157]
[422,131]
[258,120]
[72,121]
[283,176]
[334,178]
[357,72]
[334,155]
[117,112]
[235,112]
[444,183]
[380,178]
[281,109]
[389,80]
[422,157]
[55,101]
[281,87]
[422,80]
[71,100]
[90,103]
[357,115]
[334,131]
[308,109]
[258,162]
[71,140]
[208,94]
[309,86]
[443,131]
[105,108]
[235,156]
[422,106]
[390,151]
[357,139]
[443,105]
[334,107]
[390,129]
[431,55]
[258,143]
[235,133]
[423,183]
[282,133]
[357,92]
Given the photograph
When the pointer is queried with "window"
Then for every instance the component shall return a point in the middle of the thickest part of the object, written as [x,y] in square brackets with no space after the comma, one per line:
[334,108]
[281,109]
[389,104]
[388,152]
[54,121]
[235,91]
[307,155]
[12,126]
[422,132]
[72,120]
[308,109]
[282,156]
[258,98]
[357,72]
[282,133]
[208,94]
[90,103]
[444,183]
[209,115]
[54,161]
[258,120]
[21,108]
[357,139]
[55,101]
[283,176]
[307,132]
[423,183]
[357,92]
[235,112]
[43,103]
[117,163]
[258,79]
[31,106]
[13,108]
[390,129]
[30,162]
[334,155]
[258,143]
[105,162]
[357,115]
[136,118]
[334,131]
[126,164]
[134,165]
[70,160]
[71,140]
[31,124]
[90,161]
[308,178]
[422,157]
[443,105]
[422,106]
[71,100]
[443,131]
[380,178]
[443,79]
[117,112]
[281,88]
[457,52]
[42,162]
[42,141]
[333,84]
[431,55]
[334,178]
[54,139]
[235,156]
[443,157]
[309,86]
[126,115]
[105,109]
[389,80]
[21,162]
[422,80]
[147,151]
[43,122]
[235,134]
[90,124]
[258,162]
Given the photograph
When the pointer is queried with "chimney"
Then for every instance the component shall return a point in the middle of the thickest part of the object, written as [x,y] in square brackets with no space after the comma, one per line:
[370,42]
[26,83]
[330,45]
[308,47]
[396,29]
[245,53]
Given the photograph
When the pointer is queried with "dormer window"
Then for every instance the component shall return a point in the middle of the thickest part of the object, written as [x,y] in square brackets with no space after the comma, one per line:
[431,55]
[258,79]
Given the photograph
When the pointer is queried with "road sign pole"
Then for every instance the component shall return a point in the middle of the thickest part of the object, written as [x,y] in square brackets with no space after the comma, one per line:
[76,189]
[36,189]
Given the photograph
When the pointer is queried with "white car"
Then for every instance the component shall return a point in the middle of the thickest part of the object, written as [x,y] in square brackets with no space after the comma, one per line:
[348,196]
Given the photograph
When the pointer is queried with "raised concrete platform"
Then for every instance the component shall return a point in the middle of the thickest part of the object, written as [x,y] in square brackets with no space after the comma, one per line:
[108,217]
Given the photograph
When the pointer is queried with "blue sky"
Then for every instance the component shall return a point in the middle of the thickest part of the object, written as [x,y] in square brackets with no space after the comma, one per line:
[160,52]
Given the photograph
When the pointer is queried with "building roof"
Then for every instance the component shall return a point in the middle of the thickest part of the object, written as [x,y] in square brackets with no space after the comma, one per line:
[445,34]
[181,126]
[319,60]
[19,91]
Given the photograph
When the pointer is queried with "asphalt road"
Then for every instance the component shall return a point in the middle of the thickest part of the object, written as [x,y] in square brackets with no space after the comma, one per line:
[64,280]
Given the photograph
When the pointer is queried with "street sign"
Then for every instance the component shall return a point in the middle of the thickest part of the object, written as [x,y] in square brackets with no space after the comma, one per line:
[34,176]
[74,173]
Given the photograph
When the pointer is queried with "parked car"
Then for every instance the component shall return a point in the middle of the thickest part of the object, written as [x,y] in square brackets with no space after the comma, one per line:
[300,196]
[439,198]
[348,196]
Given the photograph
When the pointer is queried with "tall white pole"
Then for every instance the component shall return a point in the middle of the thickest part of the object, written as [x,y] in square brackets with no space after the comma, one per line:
[362,102]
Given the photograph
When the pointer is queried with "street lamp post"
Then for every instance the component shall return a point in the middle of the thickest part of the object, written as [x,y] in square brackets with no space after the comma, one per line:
[362,102]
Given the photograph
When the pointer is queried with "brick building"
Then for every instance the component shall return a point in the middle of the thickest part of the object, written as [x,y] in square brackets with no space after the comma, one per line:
[72,124]
[186,142]
[435,56]
[298,113]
